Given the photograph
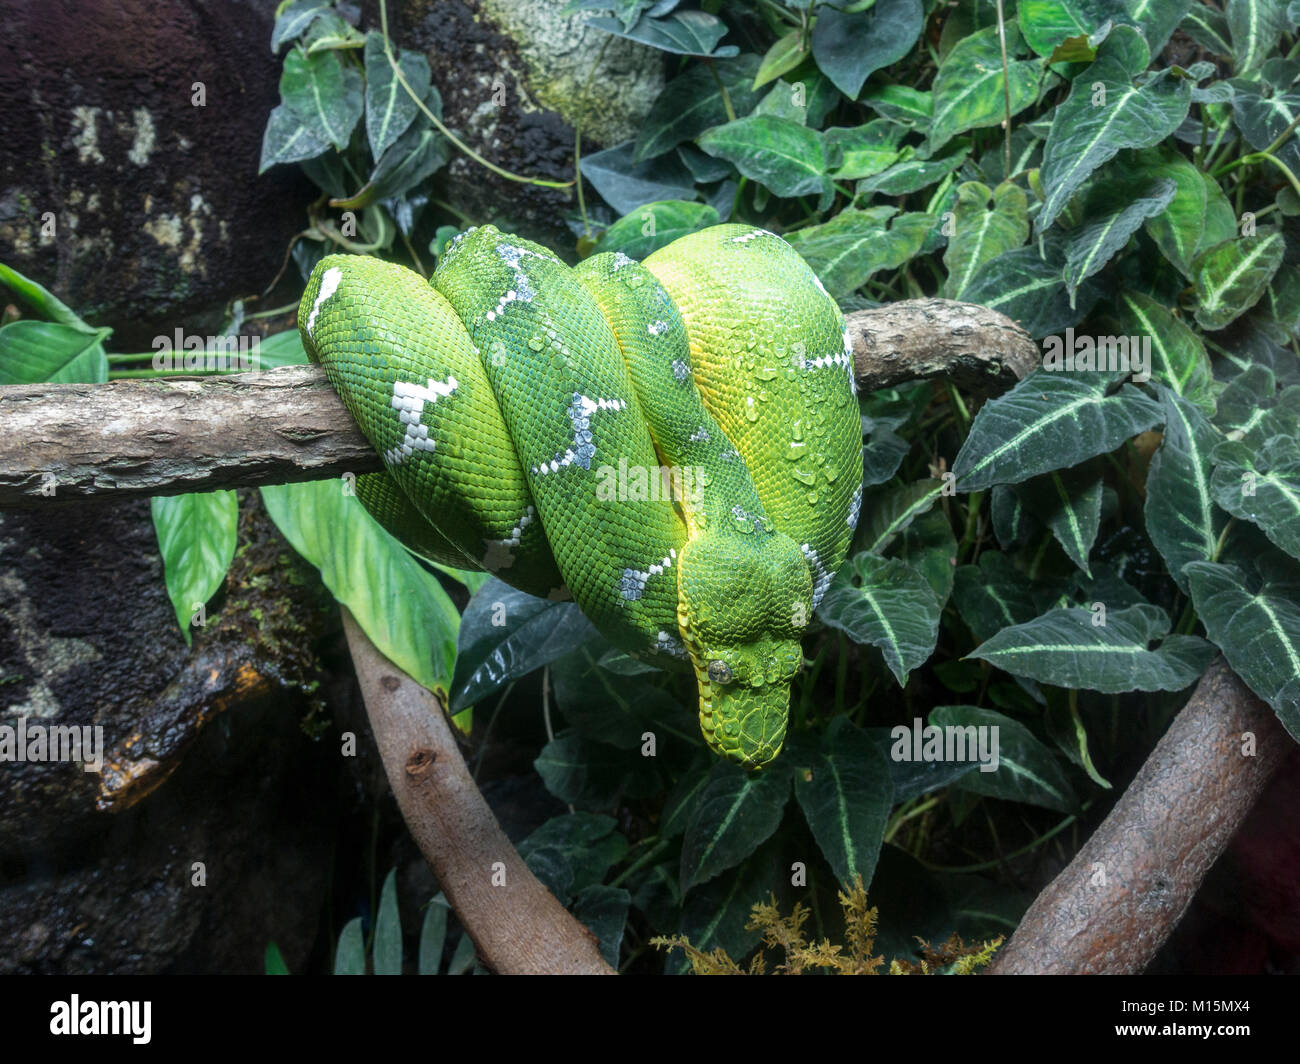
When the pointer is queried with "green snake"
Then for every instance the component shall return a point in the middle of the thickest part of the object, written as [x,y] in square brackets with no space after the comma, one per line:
[673,443]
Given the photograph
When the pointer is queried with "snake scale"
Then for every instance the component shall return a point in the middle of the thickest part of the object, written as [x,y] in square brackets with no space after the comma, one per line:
[674,443]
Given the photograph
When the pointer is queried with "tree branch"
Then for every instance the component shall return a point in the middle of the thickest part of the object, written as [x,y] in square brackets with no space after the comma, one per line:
[518,926]
[171,436]
[1117,902]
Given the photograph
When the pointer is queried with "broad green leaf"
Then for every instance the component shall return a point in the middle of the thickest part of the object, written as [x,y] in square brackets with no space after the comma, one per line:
[398,604]
[1157,19]
[1104,113]
[1259,633]
[1250,408]
[888,604]
[992,595]
[294,21]
[866,149]
[281,349]
[591,775]
[717,915]
[34,351]
[1030,288]
[390,109]
[1027,771]
[603,911]
[1178,358]
[901,103]
[626,184]
[692,102]
[888,512]
[855,244]
[386,950]
[1045,24]
[408,162]
[1070,505]
[1073,648]
[655,225]
[506,634]
[1013,524]
[289,140]
[1049,421]
[1220,218]
[909,175]
[1231,277]
[1181,518]
[980,232]
[196,537]
[681,33]
[784,55]
[849,46]
[1255,27]
[433,935]
[734,815]
[1262,486]
[970,91]
[779,154]
[1111,218]
[1262,119]
[846,794]
[929,546]
[603,706]
[350,954]
[572,852]
[1208,27]
[331,32]
[323,94]
[42,300]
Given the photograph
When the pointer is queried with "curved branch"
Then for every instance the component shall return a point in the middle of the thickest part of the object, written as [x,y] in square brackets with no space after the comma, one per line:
[177,435]
[1116,903]
[517,925]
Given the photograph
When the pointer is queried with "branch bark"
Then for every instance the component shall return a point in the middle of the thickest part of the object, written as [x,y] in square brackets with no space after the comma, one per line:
[1157,844]
[168,437]
[518,926]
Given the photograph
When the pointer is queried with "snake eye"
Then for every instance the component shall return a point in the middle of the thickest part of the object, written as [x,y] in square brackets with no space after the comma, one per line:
[719,672]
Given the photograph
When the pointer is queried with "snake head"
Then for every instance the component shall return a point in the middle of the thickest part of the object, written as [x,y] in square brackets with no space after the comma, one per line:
[742,608]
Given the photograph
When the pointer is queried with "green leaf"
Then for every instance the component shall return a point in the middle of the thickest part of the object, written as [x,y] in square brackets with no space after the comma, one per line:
[1094,124]
[655,225]
[1045,24]
[980,233]
[350,955]
[433,935]
[274,960]
[681,33]
[506,634]
[1157,19]
[1231,277]
[1049,421]
[603,911]
[1255,27]
[900,103]
[294,21]
[323,94]
[886,513]
[281,349]
[389,107]
[578,848]
[784,55]
[1181,517]
[848,46]
[1030,288]
[970,90]
[1027,771]
[910,175]
[386,951]
[1258,633]
[992,595]
[717,915]
[866,149]
[846,795]
[1261,486]
[43,301]
[604,707]
[591,775]
[411,159]
[1069,504]
[34,351]
[626,184]
[692,102]
[1178,358]
[398,604]
[779,154]
[855,244]
[330,33]
[1251,410]
[1262,119]
[1208,27]
[289,140]
[1112,217]
[888,604]
[196,537]
[734,814]
[1074,648]
[929,546]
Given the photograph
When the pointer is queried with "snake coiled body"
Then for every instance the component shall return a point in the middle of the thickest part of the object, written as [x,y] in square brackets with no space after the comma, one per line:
[674,443]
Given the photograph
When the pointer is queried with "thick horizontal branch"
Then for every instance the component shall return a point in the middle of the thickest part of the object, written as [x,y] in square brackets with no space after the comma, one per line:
[71,442]
[1117,902]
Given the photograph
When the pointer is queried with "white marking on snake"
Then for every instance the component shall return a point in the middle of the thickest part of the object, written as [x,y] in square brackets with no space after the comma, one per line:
[522,292]
[582,450]
[499,553]
[753,234]
[621,260]
[657,328]
[821,578]
[746,518]
[633,582]
[700,435]
[408,401]
[669,644]
[329,284]
[855,508]
[681,370]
